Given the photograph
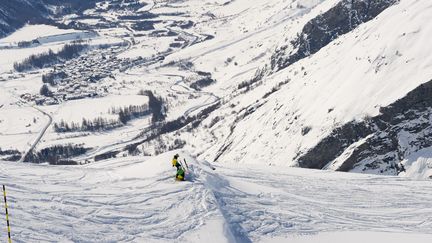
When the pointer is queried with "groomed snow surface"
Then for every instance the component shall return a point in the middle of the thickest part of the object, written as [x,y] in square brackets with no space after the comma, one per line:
[136,199]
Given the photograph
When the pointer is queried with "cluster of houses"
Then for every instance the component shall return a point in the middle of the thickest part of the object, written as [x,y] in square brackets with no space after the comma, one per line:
[82,77]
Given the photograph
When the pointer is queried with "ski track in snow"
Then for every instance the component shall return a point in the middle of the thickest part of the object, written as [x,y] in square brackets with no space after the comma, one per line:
[96,205]
[137,200]
[314,202]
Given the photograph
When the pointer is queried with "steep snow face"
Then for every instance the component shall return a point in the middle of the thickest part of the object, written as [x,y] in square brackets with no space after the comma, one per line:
[350,79]
[137,200]
[345,16]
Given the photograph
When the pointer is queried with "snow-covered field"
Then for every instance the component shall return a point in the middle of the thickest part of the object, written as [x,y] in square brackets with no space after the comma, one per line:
[31,32]
[137,200]
[19,123]
[75,111]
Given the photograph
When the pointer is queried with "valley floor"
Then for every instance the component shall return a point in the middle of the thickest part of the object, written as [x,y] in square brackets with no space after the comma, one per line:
[137,200]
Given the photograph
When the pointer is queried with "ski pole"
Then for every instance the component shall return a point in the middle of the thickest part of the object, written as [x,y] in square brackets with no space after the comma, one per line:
[7,214]
[187,167]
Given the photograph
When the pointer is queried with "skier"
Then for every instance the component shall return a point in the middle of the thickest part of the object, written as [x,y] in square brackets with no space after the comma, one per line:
[400,168]
[180,175]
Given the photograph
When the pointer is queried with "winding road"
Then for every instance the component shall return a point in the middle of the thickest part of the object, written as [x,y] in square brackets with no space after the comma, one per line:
[40,136]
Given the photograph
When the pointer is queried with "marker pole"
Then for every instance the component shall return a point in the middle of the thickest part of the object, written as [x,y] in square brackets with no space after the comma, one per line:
[7,215]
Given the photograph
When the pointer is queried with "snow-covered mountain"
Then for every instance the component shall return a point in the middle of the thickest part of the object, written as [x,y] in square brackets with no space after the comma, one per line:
[342,94]
[310,83]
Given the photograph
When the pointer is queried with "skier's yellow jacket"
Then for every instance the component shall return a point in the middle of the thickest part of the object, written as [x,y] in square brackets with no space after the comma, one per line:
[174,162]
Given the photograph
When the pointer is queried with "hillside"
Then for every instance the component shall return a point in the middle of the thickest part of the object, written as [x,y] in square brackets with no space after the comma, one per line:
[307,83]
[345,107]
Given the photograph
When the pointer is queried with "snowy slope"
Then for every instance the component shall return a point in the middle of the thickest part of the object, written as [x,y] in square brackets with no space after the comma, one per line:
[137,200]
[124,200]
[350,79]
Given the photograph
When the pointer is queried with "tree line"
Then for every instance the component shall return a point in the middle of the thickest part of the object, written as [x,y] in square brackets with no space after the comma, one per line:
[156,105]
[53,78]
[58,154]
[125,114]
[50,58]
[128,113]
